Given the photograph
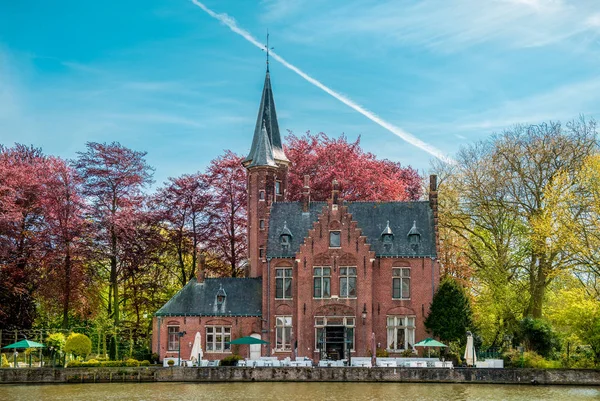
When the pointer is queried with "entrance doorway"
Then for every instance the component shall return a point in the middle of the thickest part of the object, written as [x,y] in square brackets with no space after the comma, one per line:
[334,337]
[255,348]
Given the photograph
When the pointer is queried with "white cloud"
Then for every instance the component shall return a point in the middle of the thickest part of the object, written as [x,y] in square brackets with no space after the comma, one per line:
[448,26]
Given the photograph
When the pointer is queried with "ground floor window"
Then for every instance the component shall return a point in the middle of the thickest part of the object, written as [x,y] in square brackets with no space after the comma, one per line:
[218,338]
[283,330]
[400,332]
[173,336]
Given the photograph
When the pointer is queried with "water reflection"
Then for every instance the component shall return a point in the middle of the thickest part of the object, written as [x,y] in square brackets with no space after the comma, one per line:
[295,391]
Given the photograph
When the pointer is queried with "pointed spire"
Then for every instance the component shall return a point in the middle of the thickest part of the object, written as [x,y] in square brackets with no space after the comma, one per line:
[267,120]
[263,152]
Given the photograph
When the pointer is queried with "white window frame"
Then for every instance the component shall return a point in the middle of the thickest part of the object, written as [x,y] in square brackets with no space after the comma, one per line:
[322,280]
[172,338]
[347,277]
[287,274]
[283,331]
[401,275]
[394,323]
[221,346]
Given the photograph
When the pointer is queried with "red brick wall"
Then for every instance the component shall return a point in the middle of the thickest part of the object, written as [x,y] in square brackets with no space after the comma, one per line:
[240,327]
[374,286]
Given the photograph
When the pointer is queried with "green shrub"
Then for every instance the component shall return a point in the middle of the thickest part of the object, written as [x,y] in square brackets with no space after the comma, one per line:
[132,362]
[145,363]
[112,349]
[450,315]
[74,364]
[79,345]
[407,353]
[528,359]
[231,360]
[538,336]
[5,363]
[154,357]
[170,362]
[56,340]
[91,363]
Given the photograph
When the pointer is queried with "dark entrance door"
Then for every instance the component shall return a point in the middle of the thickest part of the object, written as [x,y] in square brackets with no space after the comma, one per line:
[334,338]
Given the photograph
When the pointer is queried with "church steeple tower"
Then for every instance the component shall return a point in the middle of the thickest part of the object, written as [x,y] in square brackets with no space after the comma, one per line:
[267,167]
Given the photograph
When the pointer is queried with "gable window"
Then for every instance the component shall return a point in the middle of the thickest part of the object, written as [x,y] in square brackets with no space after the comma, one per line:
[261,224]
[322,282]
[218,338]
[334,239]
[400,332]
[283,333]
[347,282]
[261,195]
[173,338]
[283,283]
[401,283]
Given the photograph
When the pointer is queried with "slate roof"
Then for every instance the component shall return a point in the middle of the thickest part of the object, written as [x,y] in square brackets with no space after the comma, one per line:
[267,120]
[371,217]
[244,298]
[263,153]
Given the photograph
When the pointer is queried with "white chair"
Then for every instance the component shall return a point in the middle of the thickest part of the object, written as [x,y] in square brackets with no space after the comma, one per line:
[241,363]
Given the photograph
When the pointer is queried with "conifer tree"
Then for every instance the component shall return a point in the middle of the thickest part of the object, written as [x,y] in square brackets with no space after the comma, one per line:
[450,315]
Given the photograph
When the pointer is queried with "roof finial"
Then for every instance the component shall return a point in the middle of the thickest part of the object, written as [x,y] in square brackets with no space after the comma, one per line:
[268,48]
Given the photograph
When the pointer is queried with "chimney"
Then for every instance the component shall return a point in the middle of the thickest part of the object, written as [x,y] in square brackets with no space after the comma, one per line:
[201,272]
[306,194]
[433,203]
[335,192]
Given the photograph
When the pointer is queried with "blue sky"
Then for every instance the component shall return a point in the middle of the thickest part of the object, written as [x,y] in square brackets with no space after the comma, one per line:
[164,77]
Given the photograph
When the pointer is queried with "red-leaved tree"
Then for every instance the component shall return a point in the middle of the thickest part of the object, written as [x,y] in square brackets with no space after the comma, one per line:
[181,205]
[226,236]
[22,175]
[113,180]
[66,235]
[361,176]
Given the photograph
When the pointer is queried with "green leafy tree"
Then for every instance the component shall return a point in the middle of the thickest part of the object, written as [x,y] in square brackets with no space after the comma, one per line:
[56,340]
[539,336]
[79,345]
[450,316]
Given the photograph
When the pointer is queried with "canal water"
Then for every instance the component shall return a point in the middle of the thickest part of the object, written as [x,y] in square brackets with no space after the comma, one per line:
[295,391]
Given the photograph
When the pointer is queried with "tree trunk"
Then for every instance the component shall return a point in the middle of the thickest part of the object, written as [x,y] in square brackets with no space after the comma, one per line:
[67,289]
[114,283]
[537,288]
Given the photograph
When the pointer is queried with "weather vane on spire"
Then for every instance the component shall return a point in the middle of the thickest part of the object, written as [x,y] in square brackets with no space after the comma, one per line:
[268,48]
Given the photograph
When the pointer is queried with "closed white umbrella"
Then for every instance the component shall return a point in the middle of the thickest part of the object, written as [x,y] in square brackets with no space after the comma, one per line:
[470,355]
[196,354]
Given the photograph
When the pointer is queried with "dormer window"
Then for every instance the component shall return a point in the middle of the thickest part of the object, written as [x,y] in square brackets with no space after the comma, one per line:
[221,296]
[387,237]
[414,237]
[285,238]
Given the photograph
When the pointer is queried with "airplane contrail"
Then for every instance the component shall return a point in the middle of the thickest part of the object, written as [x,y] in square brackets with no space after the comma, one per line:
[408,137]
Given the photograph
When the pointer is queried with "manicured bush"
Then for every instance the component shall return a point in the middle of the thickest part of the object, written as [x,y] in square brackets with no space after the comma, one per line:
[145,363]
[74,364]
[231,360]
[5,363]
[132,362]
[79,345]
[170,362]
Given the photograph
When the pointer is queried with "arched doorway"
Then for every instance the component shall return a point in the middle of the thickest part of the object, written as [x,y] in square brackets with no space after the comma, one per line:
[255,348]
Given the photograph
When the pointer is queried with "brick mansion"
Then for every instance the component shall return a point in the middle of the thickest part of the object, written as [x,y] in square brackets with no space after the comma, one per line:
[324,278]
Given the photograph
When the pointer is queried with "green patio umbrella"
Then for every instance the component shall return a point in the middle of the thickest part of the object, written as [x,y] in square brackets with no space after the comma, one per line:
[430,342]
[24,344]
[248,341]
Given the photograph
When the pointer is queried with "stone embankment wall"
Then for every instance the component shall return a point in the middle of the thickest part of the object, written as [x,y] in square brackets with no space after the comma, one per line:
[226,374]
